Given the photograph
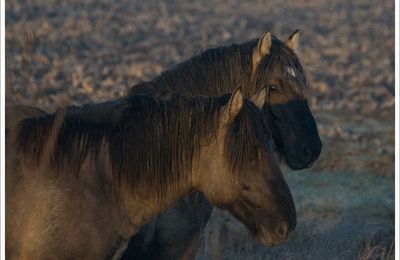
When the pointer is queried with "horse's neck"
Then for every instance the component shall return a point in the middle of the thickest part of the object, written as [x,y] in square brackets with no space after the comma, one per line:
[214,77]
[139,207]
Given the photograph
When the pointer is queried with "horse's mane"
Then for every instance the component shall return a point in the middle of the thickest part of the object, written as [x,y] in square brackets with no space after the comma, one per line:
[217,71]
[148,139]
[201,74]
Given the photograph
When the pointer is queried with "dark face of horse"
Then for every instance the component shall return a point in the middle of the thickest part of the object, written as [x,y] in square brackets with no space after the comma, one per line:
[277,68]
[253,189]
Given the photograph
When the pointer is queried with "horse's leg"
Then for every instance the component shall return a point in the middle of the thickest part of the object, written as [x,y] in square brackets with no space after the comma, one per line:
[142,244]
[179,229]
[213,244]
[191,249]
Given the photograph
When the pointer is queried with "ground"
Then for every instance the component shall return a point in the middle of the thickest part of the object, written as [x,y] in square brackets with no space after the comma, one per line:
[82,51]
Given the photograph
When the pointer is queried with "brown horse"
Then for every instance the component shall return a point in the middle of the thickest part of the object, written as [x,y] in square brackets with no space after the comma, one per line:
[266,63]
[82,181]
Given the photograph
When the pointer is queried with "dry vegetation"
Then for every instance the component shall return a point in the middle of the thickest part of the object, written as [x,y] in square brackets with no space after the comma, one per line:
[86,51]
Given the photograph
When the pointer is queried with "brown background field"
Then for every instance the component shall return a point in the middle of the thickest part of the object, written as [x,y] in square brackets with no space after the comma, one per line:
[90,51]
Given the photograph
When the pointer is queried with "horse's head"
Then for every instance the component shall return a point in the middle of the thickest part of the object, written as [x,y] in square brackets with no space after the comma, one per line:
[277,69]
[240,173]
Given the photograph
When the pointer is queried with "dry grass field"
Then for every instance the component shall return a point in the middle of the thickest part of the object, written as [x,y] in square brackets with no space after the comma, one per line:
[88,51]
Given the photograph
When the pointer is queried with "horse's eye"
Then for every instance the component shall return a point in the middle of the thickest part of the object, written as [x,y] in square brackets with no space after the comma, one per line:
[273,88]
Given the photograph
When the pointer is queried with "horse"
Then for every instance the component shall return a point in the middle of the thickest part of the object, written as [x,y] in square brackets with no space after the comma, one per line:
[264,63]
[85,178]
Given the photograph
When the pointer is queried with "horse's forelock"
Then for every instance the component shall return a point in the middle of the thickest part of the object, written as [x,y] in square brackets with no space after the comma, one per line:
[246,136]
[285,60]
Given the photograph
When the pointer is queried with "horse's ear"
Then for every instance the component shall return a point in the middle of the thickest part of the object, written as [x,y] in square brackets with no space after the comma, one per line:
[233,107]
[293,40]
[263,48]
[259,99]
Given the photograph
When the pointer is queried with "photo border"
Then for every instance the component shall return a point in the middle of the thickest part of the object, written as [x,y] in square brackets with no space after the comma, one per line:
[2,126]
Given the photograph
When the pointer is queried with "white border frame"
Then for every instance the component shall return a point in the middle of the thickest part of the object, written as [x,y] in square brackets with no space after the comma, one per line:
[396,86]
[2,126]
[2,129]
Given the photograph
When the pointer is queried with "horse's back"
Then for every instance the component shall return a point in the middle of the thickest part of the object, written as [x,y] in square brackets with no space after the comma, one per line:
[16,113]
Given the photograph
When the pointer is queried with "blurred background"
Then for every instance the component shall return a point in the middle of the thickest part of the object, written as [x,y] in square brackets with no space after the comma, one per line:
[90,51]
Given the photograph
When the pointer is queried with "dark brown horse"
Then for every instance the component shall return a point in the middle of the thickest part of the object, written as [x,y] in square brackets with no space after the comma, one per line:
[82,181]
[265,63]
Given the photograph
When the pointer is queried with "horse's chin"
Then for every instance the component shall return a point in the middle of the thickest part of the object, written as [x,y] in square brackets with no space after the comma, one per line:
[279,155]
[286,158]
[298,165]
[267,238]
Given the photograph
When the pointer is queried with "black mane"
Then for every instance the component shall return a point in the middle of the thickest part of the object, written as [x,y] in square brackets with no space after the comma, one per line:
[148,139]
[210,73]
[217,71]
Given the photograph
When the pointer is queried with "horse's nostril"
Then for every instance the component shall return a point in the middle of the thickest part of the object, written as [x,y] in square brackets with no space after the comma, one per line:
[282,229]
[308,154]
